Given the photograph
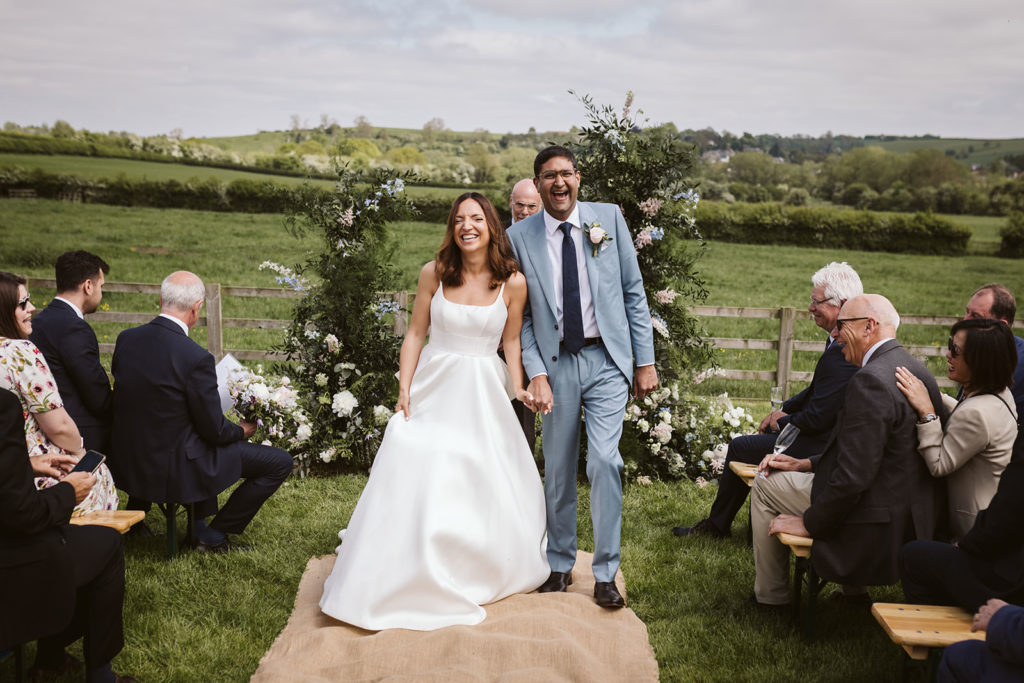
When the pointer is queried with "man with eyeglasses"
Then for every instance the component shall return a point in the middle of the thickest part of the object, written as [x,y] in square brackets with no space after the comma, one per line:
[813,410]
[585,326]
[995,301]
[524,200]
[869,492]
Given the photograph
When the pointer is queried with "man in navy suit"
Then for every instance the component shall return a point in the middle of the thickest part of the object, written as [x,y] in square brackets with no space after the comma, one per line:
[995,301]
[171,442]
[585,328]
[814,410]
[997,659]
[69,345]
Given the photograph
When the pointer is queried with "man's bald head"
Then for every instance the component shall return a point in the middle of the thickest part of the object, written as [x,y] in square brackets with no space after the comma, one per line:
[524,200]
[864,321]
[180,291]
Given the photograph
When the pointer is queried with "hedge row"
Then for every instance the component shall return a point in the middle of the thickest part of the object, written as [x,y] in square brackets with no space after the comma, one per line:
[1012,235]
[919,233]
[242,195]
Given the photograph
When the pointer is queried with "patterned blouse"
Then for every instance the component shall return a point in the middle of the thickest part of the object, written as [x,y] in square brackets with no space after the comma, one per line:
[24,371]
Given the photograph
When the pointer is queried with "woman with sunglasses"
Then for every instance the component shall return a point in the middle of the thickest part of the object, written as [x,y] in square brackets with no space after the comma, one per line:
[54,443]
[974,447]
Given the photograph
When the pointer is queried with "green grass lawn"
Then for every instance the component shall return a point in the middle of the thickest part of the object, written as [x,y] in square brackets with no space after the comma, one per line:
[201,617]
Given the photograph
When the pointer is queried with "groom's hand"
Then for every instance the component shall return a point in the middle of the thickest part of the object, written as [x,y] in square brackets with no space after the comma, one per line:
[645,380]
[540,393]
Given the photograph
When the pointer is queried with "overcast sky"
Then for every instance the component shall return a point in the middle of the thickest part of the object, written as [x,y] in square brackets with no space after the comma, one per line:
[227,67]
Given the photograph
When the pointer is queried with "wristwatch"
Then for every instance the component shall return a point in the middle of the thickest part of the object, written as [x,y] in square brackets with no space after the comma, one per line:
[928,418]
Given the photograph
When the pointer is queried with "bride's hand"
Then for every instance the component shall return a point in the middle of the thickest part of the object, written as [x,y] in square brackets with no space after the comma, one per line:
[403,404]
[525,397]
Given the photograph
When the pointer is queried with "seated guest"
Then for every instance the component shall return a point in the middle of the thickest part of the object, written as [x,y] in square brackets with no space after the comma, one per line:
[995,301]
[813,410]
[57,582]
[24,372]
[1000,657]
[69,345]
[869,491]
[171,442]
[975,445]
[988,562]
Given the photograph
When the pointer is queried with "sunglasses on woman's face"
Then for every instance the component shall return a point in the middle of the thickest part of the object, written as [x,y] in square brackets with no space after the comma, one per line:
[954,350]
[23,303]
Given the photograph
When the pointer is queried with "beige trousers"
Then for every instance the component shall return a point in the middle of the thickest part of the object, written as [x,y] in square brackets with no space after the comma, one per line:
[781,493]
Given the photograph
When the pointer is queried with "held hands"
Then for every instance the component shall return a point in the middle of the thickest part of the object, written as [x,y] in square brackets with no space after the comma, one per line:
[985,613]
[771,422]
[82,482]
[915,391]
[524,397]
[788,524]
[248,428]
[403,404]
[645,380]
[540,399]
[783,463]
[55,465]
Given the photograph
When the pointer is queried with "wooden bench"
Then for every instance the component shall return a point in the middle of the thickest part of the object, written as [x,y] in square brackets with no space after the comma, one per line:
[122,520]
[923,630]
[803,575]
[744,471]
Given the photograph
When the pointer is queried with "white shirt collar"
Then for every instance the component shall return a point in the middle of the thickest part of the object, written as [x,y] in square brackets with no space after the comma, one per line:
[76,309]
[551,223]
[867,356]
[183,326]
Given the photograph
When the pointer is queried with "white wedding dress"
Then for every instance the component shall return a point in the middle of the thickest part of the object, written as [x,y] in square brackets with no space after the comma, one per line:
[452,516]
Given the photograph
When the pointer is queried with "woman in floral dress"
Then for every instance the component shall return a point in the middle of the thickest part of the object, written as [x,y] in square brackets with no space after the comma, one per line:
[49,430]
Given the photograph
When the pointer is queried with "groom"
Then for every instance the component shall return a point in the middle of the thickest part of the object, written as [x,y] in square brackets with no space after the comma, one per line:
[585,323]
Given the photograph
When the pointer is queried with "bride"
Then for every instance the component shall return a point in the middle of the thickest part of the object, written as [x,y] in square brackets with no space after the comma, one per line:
[452,516]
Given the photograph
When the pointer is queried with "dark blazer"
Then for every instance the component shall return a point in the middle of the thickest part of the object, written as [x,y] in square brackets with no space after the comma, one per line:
[70,348]
[815,409]
[872,492]
[997,536]
[169,431]
[37,583]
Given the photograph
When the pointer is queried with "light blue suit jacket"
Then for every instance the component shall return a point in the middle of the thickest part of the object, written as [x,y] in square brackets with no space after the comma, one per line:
[620,304]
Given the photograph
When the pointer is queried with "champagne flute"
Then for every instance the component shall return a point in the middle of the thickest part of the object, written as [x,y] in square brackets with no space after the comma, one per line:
[776,398]
[786,438]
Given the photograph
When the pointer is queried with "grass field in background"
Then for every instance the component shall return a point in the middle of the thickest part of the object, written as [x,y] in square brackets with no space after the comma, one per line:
[976,151]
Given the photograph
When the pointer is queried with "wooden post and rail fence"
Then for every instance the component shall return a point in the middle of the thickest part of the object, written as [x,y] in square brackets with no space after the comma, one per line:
[785,344]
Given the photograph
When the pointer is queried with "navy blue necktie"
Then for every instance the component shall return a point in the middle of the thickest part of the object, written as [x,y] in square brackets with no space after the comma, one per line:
[572,311]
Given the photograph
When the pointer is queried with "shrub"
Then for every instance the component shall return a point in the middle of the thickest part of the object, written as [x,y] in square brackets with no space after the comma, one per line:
[919,233]
[798,196]
[1012,244]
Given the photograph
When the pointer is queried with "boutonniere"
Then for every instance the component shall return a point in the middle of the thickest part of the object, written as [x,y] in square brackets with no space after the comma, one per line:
[597,236]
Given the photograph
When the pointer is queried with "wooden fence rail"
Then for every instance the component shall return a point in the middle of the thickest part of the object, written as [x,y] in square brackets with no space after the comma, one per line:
[784,344]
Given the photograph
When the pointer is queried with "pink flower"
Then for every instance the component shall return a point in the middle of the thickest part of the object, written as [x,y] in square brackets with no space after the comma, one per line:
[666,296]
[643,239]
[650,206]
[596,235]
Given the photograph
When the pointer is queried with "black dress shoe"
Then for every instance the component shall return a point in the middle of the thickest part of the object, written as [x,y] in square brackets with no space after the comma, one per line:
[607,595]
[766,608]
[69,666]
[704,527]
[556,583]
[225,546]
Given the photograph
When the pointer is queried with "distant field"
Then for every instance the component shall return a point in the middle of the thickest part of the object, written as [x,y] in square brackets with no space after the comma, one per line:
[101,167]
[976,151]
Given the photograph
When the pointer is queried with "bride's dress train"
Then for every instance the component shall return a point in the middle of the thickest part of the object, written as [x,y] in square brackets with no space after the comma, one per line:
[452,516]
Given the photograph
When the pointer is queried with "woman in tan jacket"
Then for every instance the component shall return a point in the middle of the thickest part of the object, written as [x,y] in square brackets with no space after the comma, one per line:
[974,447]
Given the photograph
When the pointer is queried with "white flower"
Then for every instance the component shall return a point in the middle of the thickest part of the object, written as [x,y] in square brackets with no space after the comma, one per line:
[635,409]
[655,448]
[327,455]
[303,432]
[702,482]
[381,414]
[665,296]
[344,403]
[662,432]
[644,480]
[332,343]
[320,380]
[643,425]
[259,391]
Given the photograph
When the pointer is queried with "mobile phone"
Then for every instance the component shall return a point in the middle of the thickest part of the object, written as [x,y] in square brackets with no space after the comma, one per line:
[89,462]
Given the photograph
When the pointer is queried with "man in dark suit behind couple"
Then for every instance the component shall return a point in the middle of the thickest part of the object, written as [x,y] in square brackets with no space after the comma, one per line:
[586,324]
[171,442]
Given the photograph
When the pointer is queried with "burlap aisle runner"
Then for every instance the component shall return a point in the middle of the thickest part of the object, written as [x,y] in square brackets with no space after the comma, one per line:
[551,637]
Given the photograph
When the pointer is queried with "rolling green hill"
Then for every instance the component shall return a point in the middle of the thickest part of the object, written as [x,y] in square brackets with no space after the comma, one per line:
[968,150]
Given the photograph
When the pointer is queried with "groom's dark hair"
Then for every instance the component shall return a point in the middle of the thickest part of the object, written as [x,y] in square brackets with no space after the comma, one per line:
[550,153]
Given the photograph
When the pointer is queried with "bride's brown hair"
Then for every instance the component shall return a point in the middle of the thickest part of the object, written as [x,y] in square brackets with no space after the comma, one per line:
[448,261]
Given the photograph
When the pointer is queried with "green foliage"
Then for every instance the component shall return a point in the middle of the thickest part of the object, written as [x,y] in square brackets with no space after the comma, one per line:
[341,333]
[644,171]
[350,147]
[798,196]
[313,147]
[1012,235]
[405,156]
[833,228]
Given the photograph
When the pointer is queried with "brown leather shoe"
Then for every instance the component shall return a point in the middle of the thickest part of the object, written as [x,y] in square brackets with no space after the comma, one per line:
[607,595]
[556,583]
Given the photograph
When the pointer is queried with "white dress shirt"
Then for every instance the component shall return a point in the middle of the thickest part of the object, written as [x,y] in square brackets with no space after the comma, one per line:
[182,325]
[871,351]
[555,236]
[76,309]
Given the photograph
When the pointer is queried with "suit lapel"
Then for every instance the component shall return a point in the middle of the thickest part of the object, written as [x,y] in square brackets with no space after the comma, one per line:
[537,247]
[587,218]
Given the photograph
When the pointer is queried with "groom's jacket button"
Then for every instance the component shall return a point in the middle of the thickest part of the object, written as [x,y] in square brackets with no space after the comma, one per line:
[556,326]
[554,357]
